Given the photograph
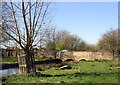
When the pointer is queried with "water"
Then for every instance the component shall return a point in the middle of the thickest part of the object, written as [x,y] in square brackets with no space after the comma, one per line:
[9,71]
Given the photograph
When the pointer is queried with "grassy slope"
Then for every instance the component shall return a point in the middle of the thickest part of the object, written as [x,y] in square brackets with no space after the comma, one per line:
[84,72]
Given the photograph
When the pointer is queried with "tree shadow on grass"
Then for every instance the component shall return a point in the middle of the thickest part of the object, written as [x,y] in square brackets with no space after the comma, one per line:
[77,74]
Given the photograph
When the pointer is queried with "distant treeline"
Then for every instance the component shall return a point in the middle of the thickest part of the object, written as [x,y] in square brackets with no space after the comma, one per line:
[63,40]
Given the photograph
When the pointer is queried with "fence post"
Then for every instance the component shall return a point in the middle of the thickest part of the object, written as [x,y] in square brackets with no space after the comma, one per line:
[22,64]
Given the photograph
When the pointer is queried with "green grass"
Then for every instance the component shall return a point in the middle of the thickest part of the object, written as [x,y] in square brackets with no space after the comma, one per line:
[8,60]
[41,59]
[84,72]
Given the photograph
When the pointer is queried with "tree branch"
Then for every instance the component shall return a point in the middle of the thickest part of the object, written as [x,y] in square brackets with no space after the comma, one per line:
[15,40]
[13,14]
[25,23]
[41,22]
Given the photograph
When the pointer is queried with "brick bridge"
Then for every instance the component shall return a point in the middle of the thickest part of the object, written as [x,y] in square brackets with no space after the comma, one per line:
[77,56]
[66,55]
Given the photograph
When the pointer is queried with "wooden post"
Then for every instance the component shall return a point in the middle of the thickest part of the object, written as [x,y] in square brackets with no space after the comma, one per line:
[59,56]
[22,64]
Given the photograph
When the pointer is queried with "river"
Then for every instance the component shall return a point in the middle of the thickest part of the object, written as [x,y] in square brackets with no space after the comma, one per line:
[9,71]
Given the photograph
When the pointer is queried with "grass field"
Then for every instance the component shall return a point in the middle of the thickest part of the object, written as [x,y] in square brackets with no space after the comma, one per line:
[82,72]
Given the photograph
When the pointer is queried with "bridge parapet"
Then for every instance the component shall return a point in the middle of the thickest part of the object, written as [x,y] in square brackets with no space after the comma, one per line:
[85,55]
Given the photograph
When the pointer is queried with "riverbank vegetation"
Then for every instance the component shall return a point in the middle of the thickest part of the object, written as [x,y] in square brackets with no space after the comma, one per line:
[8,60]
[12,60]
[102,71]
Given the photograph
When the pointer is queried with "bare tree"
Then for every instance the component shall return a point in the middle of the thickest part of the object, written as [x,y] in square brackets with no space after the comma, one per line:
[109,42]
[28,21]
[55,37]
[62,39]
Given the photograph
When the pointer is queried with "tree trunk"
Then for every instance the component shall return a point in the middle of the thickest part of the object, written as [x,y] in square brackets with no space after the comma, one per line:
[113,54]
[26,62]
[55,54]
[29,57]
